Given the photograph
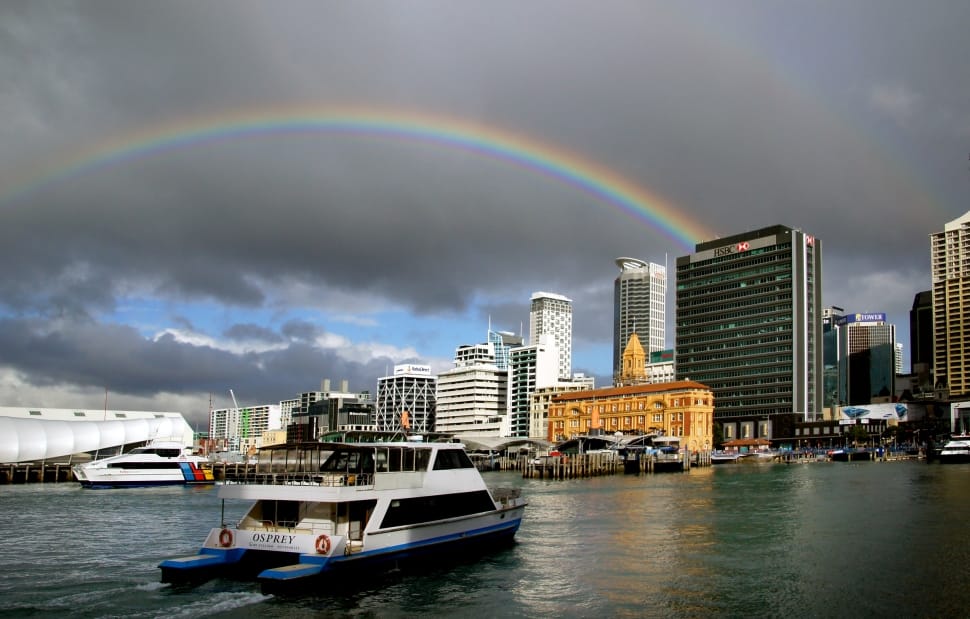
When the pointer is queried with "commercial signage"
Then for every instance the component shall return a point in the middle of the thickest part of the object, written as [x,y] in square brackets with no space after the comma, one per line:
[412,369]
[872,317]
[732,249]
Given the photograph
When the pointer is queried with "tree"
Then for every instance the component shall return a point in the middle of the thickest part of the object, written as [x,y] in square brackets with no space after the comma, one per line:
[717,437]
[858,435]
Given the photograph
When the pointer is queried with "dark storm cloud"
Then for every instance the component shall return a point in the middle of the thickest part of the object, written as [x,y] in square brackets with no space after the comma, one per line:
[847,120]
[249,332]
[50,354]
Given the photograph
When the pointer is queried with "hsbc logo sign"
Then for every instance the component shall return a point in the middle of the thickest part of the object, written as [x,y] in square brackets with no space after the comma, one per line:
[732,249]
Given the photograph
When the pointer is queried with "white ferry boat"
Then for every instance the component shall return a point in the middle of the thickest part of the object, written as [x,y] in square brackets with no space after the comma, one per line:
[956,450]
[326,509]
[159,463]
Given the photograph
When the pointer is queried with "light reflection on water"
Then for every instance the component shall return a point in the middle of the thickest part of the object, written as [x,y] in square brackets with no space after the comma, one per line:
[810,540]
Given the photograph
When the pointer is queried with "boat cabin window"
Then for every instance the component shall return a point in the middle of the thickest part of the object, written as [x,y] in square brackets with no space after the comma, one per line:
[397,459]
[161,451]
[452,459]
[349,461]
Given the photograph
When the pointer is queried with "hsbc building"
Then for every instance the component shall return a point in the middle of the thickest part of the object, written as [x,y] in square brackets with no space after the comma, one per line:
[749,326]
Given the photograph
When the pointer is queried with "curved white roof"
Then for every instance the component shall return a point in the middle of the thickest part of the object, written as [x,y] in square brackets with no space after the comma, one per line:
[24,440]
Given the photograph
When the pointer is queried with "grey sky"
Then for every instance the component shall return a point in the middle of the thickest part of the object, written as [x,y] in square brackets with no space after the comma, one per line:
[849,120]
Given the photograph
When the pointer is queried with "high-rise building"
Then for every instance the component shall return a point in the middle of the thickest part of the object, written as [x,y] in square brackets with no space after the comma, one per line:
[639,306]
[749,325]
[502,342]
[950,271]
[830,356]
[317,412]
[867,359]
[552,315]
[471,399]
[530,367]
[406,399]
[239,430]
[921,337]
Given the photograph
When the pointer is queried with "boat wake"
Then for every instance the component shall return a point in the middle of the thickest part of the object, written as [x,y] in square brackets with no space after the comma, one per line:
[217,603]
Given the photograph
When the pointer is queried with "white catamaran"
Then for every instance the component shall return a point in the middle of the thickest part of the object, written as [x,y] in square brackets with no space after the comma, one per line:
[323,508]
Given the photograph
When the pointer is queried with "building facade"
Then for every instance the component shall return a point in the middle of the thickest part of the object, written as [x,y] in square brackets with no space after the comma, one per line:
[406,399]
[530,367]
[542,399]
[639,306]
[921,337]
[950,272]
[867,359]
[552,315]
[472,398]
[684,409]
[240,430]
[749,325]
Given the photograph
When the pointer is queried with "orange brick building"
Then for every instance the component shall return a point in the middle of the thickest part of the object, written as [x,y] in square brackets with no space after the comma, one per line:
[683,408]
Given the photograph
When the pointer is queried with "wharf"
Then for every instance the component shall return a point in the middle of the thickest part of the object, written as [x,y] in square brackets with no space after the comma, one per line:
[607,463]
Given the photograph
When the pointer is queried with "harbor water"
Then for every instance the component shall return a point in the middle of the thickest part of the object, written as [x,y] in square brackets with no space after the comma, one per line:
[860,539]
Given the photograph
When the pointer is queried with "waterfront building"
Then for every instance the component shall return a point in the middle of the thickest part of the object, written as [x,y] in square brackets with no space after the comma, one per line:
[639,306]
[683,408]
[542,399]
[749,325]
[37,433]
[472,397]
[867,359]
[287,408]
[950,273]
[530,367]
[314,413]
[240,430]
[341,409]
[552,315]
[406,399]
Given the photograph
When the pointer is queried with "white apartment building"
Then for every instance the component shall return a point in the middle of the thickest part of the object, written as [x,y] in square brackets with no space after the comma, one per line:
[531,367]
[552,315]
[471,399]
[240,429]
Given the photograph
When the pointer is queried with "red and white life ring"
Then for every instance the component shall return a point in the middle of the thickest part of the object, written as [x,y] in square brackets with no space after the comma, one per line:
[323,544]
[225,538]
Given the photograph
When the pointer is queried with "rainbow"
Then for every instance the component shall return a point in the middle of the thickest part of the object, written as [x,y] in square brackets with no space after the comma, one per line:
[483,140]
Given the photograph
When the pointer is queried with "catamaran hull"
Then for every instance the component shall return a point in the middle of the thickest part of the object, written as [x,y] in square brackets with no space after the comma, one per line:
[290,571]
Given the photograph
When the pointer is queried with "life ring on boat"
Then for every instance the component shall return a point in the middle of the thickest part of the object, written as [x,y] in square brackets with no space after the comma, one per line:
[225,538]
[323,544]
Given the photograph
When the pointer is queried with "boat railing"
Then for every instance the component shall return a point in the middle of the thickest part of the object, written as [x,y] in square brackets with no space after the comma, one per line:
[308,478]
[505,496]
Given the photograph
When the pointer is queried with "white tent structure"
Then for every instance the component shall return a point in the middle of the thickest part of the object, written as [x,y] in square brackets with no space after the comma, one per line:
[28,435]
